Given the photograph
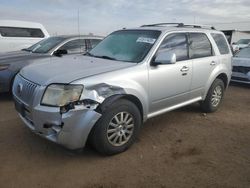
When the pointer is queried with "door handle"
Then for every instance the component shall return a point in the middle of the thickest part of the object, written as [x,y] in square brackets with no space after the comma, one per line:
[184,69]
[213,63]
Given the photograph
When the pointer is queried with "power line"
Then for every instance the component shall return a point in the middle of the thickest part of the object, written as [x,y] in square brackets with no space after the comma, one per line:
[229,22]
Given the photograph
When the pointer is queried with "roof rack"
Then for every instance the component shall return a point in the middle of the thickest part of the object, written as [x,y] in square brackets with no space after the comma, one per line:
[163,24]
[199,26]
[180,25]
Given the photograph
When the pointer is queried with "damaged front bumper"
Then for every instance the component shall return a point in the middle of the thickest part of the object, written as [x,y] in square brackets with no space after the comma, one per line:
[70,129]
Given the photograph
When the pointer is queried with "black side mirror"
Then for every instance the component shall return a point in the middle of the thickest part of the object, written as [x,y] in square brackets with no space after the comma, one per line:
[60,53]
[233,43]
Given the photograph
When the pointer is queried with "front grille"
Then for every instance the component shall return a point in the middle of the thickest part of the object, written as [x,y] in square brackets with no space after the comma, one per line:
[241,69]
[24,89]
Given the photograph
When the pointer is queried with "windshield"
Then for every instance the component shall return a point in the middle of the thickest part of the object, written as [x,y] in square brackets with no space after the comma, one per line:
[45,45]
[243,41]
[126,45]
[244,53]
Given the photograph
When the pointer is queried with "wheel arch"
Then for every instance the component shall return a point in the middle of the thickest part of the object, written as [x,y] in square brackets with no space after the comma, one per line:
[224,78]
[135,100]
[218,73]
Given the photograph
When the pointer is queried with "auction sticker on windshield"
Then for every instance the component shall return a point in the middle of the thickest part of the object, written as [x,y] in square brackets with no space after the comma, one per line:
[146,40]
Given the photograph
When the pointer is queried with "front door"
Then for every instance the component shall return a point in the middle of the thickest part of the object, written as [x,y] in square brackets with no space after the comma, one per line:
[170,83]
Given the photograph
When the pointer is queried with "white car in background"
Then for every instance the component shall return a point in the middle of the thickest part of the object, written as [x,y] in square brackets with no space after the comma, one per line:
[242,43]
[17,35]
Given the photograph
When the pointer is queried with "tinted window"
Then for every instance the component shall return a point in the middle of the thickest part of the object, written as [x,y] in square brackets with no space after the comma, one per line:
[126,45]
[75,46]
[45,45]
[21,32]
[221,43]
[199,46]
[175,43]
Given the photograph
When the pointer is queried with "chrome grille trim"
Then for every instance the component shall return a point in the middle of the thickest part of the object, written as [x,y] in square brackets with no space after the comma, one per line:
[241,69]
[24,89]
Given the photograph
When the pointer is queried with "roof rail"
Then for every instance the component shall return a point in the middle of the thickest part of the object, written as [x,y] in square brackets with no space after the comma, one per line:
[163,24]
[199,26]
[180,25]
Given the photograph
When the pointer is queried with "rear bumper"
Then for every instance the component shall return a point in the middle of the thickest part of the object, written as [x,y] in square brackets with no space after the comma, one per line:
[70,129]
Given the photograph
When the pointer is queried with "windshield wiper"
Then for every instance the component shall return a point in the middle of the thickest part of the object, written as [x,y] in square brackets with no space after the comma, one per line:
[26,49]
[101,56]
[88,54]
[105,57]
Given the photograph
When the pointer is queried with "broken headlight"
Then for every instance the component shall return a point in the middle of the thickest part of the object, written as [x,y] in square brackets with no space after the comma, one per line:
[60,95]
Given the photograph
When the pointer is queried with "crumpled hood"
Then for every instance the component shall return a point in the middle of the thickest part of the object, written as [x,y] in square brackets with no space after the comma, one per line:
[243,62]
[18,56]
[69,68]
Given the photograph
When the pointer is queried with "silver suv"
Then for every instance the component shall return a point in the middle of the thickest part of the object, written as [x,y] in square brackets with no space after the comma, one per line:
[134,74]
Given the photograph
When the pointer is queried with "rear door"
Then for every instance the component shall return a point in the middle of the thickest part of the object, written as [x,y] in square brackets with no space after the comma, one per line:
[204,62]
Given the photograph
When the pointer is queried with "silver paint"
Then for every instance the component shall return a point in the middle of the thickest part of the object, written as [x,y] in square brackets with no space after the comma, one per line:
[159,89]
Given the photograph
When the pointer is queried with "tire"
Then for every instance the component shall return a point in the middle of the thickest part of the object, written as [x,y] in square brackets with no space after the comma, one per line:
[107,132]
[214,97]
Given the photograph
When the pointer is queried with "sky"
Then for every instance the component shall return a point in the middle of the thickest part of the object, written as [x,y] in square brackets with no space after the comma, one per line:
[104,16]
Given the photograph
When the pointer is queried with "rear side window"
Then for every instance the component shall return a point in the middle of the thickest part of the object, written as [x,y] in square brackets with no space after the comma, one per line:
[21,32]
[74,46]
[221,43]
[199,46]
[94,42]
[175,43]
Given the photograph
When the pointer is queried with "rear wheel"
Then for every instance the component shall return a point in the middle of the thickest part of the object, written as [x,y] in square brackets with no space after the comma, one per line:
[214,96]
[117,129]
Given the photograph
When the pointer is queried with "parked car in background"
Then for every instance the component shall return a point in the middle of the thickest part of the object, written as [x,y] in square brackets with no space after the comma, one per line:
[241,66]
[12,62]
[129,77]
[242,43]
[16,35]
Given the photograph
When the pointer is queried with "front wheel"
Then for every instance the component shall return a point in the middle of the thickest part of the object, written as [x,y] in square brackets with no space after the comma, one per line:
[117,129]
[214,96]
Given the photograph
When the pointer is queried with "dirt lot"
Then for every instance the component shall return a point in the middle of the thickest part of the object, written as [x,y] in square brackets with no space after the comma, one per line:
[184,148]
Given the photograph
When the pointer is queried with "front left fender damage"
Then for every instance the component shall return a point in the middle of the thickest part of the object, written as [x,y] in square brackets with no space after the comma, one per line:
[100,92]
[77,119]
[77,125]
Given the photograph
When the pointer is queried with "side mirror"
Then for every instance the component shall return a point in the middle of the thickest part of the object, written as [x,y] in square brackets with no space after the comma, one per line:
[164,58]
[234,43]
[59,53]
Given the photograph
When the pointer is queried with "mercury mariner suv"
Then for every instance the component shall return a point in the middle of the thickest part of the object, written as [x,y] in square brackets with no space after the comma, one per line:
[104,96]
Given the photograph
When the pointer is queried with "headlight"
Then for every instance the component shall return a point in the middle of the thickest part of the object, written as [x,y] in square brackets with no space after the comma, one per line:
[60,95]
[4,67]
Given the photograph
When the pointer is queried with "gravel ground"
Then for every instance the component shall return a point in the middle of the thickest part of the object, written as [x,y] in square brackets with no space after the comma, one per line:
[183,148]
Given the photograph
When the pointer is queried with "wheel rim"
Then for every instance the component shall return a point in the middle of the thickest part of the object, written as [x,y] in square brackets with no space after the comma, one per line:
[120,129]
[216,96]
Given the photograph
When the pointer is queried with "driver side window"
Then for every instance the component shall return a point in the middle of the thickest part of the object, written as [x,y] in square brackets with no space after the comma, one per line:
[174,43]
